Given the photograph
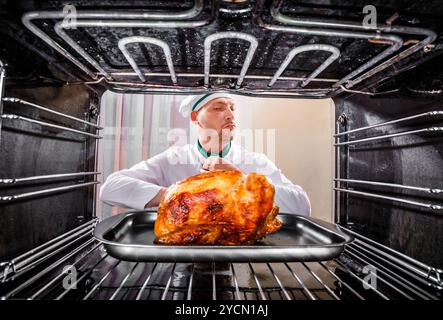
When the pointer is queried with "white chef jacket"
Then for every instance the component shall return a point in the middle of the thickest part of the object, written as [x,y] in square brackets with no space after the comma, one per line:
[133,188]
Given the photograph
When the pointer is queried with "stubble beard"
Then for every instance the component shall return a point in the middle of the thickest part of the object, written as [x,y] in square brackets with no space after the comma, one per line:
[226,135]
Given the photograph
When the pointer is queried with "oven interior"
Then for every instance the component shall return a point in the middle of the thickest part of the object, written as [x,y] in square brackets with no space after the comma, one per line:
[57,60]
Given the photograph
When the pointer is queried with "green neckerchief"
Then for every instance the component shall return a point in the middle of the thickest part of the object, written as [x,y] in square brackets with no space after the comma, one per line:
[207,154]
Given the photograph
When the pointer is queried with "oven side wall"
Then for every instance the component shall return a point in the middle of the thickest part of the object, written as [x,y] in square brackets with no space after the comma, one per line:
[29,150]
[413,160]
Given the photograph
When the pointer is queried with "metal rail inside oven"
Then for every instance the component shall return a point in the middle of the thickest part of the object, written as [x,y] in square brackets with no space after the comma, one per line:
[10,181]
[345,139]
[75,266]
[343,185]
[381,34]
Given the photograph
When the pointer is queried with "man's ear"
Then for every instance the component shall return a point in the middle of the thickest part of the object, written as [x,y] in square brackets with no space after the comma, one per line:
[193,116]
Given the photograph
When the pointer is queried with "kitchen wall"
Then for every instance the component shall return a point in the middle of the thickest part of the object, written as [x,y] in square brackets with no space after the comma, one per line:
[303,142]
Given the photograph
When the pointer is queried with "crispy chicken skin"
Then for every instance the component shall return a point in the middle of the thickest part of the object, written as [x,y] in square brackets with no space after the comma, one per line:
[217,208]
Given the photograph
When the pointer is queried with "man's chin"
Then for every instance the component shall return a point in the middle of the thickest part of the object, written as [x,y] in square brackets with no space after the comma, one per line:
[227,135]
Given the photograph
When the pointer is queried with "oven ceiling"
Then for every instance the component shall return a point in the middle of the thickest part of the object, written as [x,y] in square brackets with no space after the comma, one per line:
[146,46]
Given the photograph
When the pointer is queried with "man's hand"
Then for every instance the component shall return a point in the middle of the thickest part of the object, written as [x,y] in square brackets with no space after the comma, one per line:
[216,163]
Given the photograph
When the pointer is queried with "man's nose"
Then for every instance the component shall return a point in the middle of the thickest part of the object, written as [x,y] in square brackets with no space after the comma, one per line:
[230,114]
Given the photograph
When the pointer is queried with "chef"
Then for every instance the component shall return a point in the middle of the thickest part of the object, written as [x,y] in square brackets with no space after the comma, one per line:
[213,114]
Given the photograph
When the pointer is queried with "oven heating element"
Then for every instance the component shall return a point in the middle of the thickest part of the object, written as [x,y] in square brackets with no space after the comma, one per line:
[181,82]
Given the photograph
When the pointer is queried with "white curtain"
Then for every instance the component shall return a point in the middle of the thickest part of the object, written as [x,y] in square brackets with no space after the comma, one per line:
[136,128]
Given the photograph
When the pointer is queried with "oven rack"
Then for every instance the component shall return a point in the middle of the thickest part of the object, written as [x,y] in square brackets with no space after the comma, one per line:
[21,264]
[21,102]
[385,274]
[103,73]
[429,35]
[2,88]
[12,182]
[346,186]
[343,185]
[15,268]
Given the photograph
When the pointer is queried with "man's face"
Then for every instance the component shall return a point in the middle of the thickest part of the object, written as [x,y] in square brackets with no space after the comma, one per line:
[219,115]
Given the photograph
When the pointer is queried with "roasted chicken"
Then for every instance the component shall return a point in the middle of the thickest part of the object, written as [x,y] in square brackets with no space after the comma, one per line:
[217,208]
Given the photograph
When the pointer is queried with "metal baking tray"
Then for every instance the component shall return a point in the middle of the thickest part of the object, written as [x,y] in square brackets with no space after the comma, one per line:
[130,236]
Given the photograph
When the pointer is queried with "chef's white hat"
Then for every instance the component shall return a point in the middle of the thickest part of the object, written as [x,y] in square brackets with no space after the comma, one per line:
[195,103]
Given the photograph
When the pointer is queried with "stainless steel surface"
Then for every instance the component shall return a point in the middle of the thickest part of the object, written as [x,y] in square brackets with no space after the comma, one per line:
[386,136]
[165,291]
[126,87]
[130,237]
[2,88]
[218,75]
[369,93]
[101,281]
[103,277]
[279,282]
[142,289]
[59,30]
[41,253]
[123,282]
[14,197]
[369,285]
[60,26]
[237,290]
[178,89]
[47,124]
[342,283]
[29,259]
[36,106]
[214,285]
[400,263]
[429,35]
[438,208]
[305,289]
[431,114]
[382,35]
[395,42]
[335,53]
[392,185]
[254,275]
[60,275]
[28,18]
[47,177]
[48,269]
[405,192]
[381,273]
[73,284]
[321,281]
[337,218]
[163,45]
[408,286]
[191,277]
[253,44]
